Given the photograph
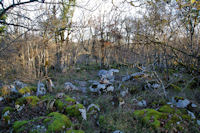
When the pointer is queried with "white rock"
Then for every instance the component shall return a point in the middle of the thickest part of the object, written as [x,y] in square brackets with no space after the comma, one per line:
[142,103]
[13,88]
[83,113]
[194,105]
[1,99]
[101,86]
[182,103]
[124,93]
[117,131]
[126,78]
[110,89]
[198,122]
[19,108]
[41,90]
[70,87]
[6,113]
[191,114]
[19,84]
[93,105]
[26,95]
[137,74]
[155,86]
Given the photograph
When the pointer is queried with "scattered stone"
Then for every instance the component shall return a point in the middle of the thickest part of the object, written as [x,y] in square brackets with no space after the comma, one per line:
[60,95]
[155,86]
[124,93]
[19,84]
[142,103]
[104,74]
[13,89]
[70,87]
[18,107]
[81,83]
[198,122]
[126,78]
[193,105]
[83,113]
[110,89]
[137,75]
[93,108]
[191,114]
[41,90]
[117,131]
[182,103]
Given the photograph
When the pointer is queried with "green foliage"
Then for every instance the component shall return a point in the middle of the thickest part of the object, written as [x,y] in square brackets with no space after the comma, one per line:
[73,110]
[31,100]
[19,127]
[7,109]
[57,122]
[75,131]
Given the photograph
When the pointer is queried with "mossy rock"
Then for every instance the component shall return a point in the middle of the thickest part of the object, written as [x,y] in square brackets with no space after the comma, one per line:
[73,110]
[150,116]
[70,100]
[166,109]
[59,105]
[57,122]
[31,100]
[94,109]
[19,126]
[47,97]
[10,109]
[27,89]
[75,131]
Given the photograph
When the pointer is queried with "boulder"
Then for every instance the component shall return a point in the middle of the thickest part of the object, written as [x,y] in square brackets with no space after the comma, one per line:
[182,103]
[41,90]
[117,131]
[109,75]
[19,84]
[142,103]
[70,87]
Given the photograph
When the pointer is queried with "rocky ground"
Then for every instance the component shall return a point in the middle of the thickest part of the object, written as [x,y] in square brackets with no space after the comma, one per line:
[90,100]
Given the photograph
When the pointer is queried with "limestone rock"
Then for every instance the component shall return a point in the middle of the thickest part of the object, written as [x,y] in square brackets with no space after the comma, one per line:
[19,84]
[117,131]
[70,87]
[142,103]
[41,90]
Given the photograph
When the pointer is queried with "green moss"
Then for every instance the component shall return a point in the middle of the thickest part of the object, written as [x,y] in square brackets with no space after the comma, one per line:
[73,110]
[60,105]
[20,101]
[57,122]
[24,90]
[47,97]
[69,99]
[7,109]
[75,131]
[6,119]
[32,100]
[166,109]
[186,117]
[18,126]
[102,120]
[147,115]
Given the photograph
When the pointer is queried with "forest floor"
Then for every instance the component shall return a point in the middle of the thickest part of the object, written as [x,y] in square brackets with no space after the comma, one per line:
[136,100]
